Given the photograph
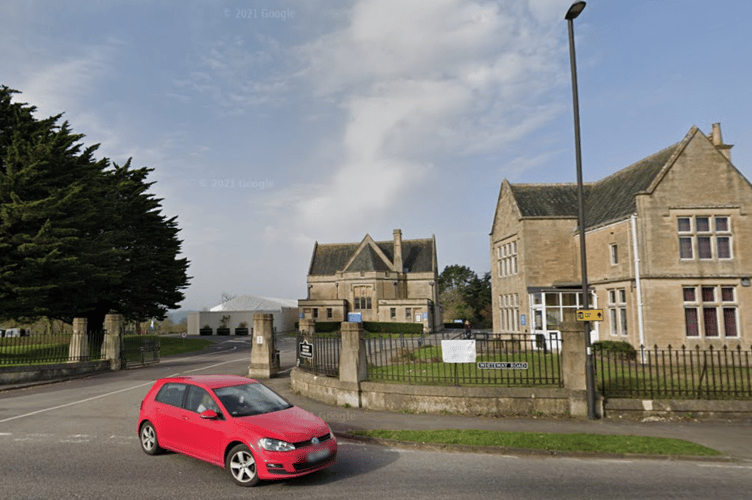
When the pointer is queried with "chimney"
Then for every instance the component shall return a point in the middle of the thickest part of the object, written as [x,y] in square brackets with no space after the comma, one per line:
[717,140]
[398,250]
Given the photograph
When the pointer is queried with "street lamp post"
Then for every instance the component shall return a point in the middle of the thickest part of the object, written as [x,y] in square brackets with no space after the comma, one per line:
[572,14]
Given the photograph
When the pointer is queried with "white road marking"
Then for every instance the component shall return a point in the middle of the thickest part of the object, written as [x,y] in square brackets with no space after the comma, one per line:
[70,438]
[76,402]
[175,360]
[218,364]
[114,392]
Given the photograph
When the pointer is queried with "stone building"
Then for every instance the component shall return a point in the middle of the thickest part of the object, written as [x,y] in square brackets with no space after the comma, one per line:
[387,281]
[668,251]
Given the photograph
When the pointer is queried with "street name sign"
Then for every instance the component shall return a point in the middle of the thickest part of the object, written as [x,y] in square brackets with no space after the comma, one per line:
[502,366]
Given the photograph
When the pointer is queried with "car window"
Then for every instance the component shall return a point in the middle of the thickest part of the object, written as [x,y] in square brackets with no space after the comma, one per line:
[199,400]
[171,394]
[250,399]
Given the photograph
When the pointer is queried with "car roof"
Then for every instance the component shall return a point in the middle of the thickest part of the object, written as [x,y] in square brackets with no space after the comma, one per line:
[212,381]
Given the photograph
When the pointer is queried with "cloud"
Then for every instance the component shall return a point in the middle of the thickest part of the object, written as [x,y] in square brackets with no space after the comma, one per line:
[424,83]
[237,73]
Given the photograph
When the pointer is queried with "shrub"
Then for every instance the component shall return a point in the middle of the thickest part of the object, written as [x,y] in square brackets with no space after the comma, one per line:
[616,346]
[384,327]
[327,326]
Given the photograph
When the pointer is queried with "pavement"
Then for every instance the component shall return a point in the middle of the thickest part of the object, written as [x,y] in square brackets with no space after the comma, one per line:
[732,438]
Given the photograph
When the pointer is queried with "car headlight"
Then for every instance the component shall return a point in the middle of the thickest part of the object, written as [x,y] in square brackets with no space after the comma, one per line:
[270,444]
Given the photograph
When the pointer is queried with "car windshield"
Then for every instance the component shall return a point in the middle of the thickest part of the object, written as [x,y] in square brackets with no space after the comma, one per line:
[250,399]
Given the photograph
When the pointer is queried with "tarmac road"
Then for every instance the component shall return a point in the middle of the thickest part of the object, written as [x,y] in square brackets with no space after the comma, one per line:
[77,439]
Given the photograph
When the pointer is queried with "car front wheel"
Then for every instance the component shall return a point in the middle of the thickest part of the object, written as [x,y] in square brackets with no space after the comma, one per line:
[242,466]
[149,441]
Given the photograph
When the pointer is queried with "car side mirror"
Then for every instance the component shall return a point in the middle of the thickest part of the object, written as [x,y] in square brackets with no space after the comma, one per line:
[209,414]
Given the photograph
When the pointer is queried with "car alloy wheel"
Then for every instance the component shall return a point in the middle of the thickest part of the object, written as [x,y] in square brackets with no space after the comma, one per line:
[149,441]
[242,466]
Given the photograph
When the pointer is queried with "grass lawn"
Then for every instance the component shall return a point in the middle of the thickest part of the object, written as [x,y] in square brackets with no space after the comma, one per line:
[424,366]
[169,346]
[593,443]
[34,351]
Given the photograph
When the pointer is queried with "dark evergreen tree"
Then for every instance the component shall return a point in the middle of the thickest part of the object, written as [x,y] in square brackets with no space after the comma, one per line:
[455,277]
[477,295]
[78,238]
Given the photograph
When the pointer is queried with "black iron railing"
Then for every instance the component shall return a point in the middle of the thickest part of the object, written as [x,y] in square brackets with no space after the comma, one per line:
[49,348]
[683,373]
[139,350]
[319,354]
[506,360]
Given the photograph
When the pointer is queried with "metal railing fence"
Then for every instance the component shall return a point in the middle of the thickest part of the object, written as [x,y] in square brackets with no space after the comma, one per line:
[47,348]
[506,360]
[683,373]
[138,350]
[324,354]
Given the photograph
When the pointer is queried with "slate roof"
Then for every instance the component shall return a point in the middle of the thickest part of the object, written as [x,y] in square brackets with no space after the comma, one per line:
[546,200]
[613,198]
[368,259]
[610,199]
[328,259]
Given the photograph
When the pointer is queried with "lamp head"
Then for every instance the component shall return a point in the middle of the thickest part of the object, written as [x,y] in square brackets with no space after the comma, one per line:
[575,10]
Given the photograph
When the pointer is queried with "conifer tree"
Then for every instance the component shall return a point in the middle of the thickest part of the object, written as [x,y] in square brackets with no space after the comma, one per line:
[78,237]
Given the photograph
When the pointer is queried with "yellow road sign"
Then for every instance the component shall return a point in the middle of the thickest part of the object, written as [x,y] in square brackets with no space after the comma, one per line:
[590,315]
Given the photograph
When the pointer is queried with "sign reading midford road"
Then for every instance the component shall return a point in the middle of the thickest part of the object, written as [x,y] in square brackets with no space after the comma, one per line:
[590,315]
[502,366]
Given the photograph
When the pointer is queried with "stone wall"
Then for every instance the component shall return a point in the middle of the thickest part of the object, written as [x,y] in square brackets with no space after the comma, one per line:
[35,373]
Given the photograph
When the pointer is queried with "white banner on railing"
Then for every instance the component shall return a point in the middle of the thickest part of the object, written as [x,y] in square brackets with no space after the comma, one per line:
[458,351]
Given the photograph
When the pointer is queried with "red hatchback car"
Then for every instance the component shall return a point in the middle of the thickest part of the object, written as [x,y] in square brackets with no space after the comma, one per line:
[237,423]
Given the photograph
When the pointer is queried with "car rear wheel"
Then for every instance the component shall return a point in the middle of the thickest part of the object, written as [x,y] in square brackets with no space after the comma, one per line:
[149,441]
[242,466]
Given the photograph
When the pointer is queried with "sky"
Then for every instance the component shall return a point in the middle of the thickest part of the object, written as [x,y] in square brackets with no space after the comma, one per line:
[274,125]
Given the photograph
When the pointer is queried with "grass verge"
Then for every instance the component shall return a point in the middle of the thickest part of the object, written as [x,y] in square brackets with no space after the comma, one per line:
[169,346]
[591,443]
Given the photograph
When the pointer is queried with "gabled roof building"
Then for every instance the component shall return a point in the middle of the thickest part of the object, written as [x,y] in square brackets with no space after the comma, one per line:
[667,242]
[388,281]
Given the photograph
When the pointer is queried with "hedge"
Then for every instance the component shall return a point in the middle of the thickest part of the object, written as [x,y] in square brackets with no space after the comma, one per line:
[383,327]
[616,346]
[370,327]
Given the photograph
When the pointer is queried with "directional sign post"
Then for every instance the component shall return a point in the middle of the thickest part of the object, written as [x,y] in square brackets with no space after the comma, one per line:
[590,315]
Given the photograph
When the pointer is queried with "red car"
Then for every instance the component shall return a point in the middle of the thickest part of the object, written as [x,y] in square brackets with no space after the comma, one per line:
[237,423]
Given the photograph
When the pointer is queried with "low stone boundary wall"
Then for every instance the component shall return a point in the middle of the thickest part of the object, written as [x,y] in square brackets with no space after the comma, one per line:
[432,399]
[503,401]
[35,373]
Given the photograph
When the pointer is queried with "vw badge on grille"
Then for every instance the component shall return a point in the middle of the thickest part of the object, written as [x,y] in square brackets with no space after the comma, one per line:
[315,440]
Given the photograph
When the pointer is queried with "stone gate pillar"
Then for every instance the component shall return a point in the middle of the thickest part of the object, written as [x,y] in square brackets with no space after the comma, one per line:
[113,335]
[263,353]
[573,355]
[573,368]
[307,327]
[352,364]
[78,349]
